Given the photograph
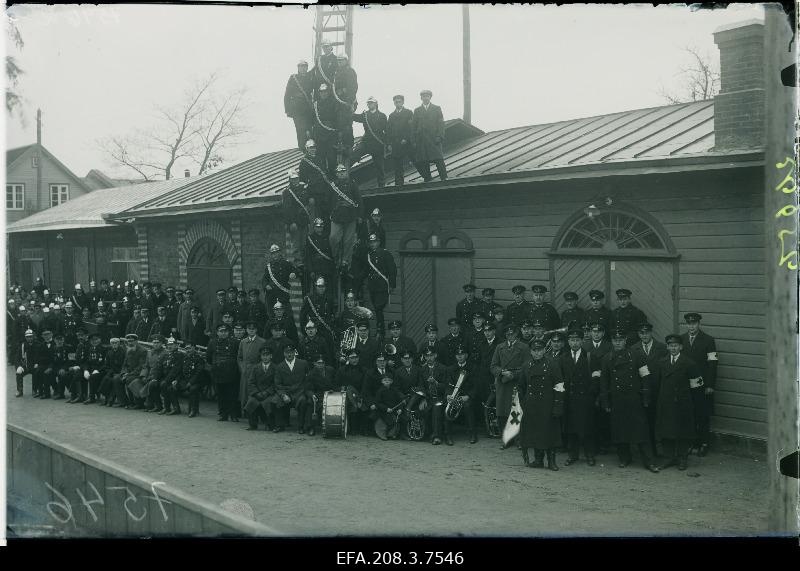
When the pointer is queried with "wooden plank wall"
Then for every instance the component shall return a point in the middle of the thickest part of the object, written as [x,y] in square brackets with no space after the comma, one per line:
[714,220]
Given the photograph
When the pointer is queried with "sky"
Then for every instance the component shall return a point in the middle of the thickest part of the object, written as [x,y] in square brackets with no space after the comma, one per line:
[99,71]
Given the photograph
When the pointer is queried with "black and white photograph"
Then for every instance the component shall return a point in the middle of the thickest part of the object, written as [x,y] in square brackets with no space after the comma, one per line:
[400,271]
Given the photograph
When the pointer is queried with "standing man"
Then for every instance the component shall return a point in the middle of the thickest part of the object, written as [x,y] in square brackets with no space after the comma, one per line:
[403,344]
[598,312]
[466,308]
[347,211]
[318,257]
[371,225]
[542,310]
[582,390]
[221,355]
[428,133]
[345,88]
[285,319]
[373,142]
[248,357]
[324,68]
[627,316]
[597,347]
[519,309]
[701,347]
[506,369]
[381,279]
[675,423]
[313,171]
[256,310]
[624,393]
[215,312]
[277,274]
[573,313]
[399,133]
[326,134]
[318,307]
[296,211]
[298,104]
[652,352]
[462,377]
[490,307]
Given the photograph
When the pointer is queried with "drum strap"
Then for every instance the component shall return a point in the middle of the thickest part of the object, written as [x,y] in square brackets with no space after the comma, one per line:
[274,280]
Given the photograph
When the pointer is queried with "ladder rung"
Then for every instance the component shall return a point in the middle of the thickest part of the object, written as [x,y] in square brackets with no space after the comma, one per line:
[333,12]
[334,29]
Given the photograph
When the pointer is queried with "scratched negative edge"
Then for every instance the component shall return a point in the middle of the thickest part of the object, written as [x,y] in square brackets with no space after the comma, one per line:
[207,509]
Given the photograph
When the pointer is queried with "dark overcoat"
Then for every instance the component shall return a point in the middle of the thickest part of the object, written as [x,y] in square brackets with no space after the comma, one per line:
[428,133]
[581,392]
[542,404]
[675,411]
[625,388]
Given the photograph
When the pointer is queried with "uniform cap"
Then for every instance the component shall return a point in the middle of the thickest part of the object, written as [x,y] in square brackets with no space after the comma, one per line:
[250,322]
[341,168]
[673,338]
[92,336]
[479,314]
[310,143]
[557,336]
[293,173]
[538,344]
[310,325]
[431,327]
[371,99]
[131,337]
[46,292]
[618,333]
[92,283]
[323,87]
[468,287]
[278,305]
[692,317]
[575,332]
[373,238]
[426,91]
[488,291]
[46,310]
[405,354]
[254,291]
[536,322]
[171,341]
[318,222]
[430,351]
[396,324]
[362,323]
[274,248]
[68,304]
[461,350]
[189,290]
[518,289]
[490,327]
[350,295]
[570,296]
[227,314]
[539,289]
[353,353]
[452,321]
[221,326]
[596,326]
[157,337]
[290,347]
[622,292]
[302,62]
[596,294]
[320,282]
[29,332]
[645,327]
[112,340]
[78,286]
[170,288]
[233,289]
[56,306]
[376,212]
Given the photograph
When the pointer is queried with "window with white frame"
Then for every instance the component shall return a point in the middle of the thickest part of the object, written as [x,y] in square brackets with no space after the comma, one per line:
[59,194]
[15,196]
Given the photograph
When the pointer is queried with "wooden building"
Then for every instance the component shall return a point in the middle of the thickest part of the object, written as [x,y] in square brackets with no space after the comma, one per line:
[665,201]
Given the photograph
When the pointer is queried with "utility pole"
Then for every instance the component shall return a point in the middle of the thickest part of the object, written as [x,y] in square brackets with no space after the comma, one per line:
[38,155]
[781,228]
[467,64]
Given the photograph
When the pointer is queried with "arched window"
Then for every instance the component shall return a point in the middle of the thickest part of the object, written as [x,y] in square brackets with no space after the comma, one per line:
[437,241]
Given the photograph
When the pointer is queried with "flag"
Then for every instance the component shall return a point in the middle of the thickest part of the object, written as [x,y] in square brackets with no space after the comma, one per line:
[514,419]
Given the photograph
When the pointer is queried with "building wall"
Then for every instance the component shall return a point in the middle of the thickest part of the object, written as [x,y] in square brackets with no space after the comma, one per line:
[24,173]
[714,220]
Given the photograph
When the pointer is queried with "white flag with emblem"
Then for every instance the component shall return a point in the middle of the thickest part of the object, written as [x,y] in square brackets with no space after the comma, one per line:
[514,419]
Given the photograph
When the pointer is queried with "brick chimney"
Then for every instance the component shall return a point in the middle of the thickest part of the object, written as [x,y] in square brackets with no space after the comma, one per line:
[186,173]
[739,106]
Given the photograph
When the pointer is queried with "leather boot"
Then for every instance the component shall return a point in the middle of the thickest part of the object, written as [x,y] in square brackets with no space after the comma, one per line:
[19,387]
[551,460]
[539,462]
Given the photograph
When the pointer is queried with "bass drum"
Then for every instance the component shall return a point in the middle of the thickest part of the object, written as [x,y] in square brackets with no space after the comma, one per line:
[334,414]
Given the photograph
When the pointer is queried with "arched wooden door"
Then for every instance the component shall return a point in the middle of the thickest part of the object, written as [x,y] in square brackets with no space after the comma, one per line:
[207,270]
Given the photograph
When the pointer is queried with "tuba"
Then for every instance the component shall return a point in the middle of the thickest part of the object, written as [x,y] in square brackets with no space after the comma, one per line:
[415,422]
[454,402]
[348,342]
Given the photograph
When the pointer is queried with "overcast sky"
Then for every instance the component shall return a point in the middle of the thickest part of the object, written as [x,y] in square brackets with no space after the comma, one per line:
[98,71]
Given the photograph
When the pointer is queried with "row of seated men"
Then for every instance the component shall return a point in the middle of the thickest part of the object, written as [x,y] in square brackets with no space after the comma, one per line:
[599,396]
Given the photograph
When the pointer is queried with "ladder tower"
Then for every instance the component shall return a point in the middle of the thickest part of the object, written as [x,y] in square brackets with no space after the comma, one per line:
[334,23]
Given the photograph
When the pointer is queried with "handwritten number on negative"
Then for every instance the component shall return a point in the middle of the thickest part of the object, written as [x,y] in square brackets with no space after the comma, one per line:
[128,499]
[159,499]
[785,258]
[64,505]
[88,504]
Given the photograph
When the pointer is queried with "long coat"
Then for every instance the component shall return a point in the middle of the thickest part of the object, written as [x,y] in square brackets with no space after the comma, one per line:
[289,381]
[260,387]
[542,405]
[653,358]
[581,392]
[510,358]
[675,411]
[248,357]
[704,353]
[399,129]
[428,133]
[624,386]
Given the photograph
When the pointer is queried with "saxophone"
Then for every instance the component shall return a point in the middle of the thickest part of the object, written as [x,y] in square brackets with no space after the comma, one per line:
[454,402]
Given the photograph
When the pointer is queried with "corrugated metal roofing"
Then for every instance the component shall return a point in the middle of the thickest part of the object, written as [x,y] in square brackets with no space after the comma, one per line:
[87,210]
[654,133]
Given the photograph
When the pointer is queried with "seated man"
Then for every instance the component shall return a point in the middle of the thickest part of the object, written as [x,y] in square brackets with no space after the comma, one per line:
[115,358]
[63,361]
[389,401]
[170,371]
[289,375]
[260,387]
[350,378]
[319,380]
[154,373]
[129,385]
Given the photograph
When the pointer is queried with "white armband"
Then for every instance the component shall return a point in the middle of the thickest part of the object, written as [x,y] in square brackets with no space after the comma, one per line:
[86,375]
[696,383]
[595,374]
[711,356]
[20,370]
[559,388]
[95,372]
[644,371]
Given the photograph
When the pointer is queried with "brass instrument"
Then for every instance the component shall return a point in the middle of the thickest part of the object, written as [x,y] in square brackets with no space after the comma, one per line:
[415,423]
[362,312]
[454,402]
[490,415]
[348,342]
[389,349]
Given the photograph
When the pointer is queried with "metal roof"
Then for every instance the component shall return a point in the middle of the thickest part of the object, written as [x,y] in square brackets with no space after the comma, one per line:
[87,211]
[625,138]
[13,154]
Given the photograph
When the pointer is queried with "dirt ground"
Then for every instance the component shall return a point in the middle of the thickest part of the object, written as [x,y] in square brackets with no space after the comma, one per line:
[310,486]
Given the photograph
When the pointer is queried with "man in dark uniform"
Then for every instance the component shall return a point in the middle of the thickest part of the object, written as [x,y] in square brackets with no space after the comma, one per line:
[297,102]
[543,310]
[367,227]
[596,348]
[93,296]
[260,387]
[702,349]
[573,313]
[677,374]
[63,361]
[78,298]
[486,380]
[653,352]
[624,393]
[256,310]
[215,312]
[466,308]
[349,316]
[434,377]
[324,67]
[313,172]
[325,131]
[399,132]
[115,359]
[171,304]
[598,313]
[407,373]
[381,280]
[289,376]
[318,307]
[518,310]
[153,374]
[345,88]
[401,343]
[373,142]
[242,308]
[71,323]
[161,325]
[171,368]
[368,347]
[490,307]
[39,286]
[542,399]
[285,320]
[297,212]
[370,386]
[314,344]
[350,377]
[462,377]
[317,257]
[452,341]
[347,211]
[475,338]
[193,373]
[428,137]
[95,366]
[431,341]
[26,357]
[582,390]
[277,341]
[221,355]
[627,316]
[277,274]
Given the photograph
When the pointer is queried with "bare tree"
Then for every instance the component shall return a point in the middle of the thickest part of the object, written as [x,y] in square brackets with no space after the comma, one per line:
[699,80]
[13,71]
[196,129]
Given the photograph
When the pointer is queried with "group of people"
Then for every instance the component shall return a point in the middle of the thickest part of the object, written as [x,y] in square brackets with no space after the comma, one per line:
[322,102]
[601,380]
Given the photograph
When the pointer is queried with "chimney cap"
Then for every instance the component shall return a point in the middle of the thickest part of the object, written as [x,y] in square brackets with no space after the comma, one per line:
[186,173]
[740,26]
